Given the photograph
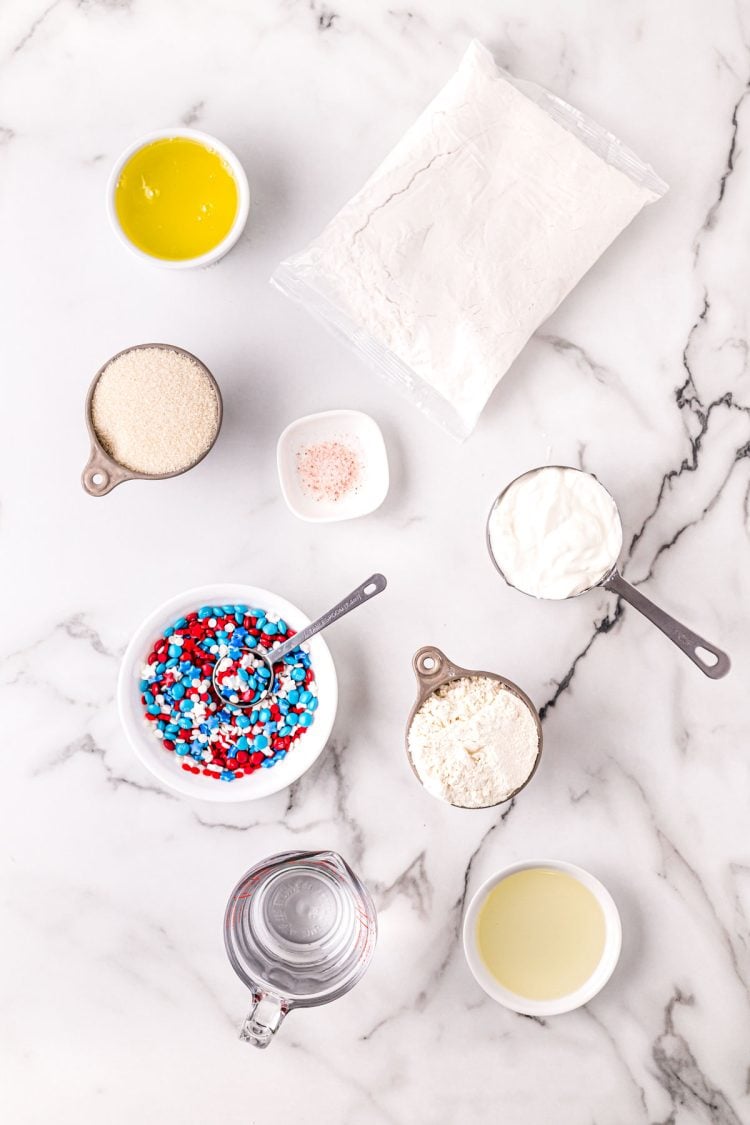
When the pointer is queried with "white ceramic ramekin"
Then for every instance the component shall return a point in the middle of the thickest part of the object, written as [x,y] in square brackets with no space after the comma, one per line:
[582,995]
[331,426]
[164,765]
[243,199]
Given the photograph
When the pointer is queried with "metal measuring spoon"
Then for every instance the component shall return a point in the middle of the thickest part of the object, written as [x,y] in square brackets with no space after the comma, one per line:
[375,584]
[711,660]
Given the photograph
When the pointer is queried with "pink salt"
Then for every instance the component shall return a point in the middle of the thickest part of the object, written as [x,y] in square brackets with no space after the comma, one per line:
[328,470]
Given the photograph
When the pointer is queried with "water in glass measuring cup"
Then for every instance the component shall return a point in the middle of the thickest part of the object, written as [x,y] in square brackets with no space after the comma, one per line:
[299,929]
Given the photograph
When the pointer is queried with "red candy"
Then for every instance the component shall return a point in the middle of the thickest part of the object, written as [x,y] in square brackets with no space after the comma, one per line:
[196,706]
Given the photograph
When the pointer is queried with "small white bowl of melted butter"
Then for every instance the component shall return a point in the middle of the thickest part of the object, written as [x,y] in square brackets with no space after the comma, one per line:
[542,937]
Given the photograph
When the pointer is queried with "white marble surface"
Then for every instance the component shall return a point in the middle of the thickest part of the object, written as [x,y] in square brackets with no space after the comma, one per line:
[118,1004]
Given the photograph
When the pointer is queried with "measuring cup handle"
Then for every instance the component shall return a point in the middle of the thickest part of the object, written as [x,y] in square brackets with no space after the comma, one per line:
[375,584]
[264,1019]
[432,667]
[101,473]
[711,660]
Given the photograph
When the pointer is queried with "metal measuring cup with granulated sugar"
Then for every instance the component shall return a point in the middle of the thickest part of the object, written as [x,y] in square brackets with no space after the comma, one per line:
[153,411]
[555,532]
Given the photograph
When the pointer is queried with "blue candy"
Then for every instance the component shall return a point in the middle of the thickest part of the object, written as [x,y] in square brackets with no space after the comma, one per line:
[176,718]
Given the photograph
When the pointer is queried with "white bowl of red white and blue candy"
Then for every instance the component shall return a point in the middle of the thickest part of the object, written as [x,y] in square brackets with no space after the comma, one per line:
[187,735]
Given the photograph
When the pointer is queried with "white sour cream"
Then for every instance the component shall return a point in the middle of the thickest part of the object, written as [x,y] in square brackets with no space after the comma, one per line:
[555,532]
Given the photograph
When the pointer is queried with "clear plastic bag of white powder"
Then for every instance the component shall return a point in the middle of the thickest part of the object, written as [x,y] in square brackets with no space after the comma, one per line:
[468,236]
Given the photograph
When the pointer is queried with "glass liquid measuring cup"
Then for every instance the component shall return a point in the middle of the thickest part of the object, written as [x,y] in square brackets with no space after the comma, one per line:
[300,930]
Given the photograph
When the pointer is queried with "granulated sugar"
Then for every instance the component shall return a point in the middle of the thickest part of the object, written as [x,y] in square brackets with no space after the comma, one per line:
[473,742]
[155,410]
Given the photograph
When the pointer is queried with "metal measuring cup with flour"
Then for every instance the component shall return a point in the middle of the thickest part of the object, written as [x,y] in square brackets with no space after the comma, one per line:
[555,532]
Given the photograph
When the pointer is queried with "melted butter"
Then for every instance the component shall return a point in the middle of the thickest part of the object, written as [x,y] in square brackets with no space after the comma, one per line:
[541,933]
[176,199]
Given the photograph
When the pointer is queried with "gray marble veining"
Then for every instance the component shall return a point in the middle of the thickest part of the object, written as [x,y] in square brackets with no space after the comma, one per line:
[118,1003]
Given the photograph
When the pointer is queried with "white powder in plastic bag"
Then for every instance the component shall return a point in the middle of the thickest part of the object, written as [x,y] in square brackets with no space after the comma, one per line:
[469,235]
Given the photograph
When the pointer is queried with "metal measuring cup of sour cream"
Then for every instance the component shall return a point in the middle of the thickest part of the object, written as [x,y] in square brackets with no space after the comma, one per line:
[555,532]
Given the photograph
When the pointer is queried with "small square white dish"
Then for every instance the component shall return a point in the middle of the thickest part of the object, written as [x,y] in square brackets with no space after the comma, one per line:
[358,432]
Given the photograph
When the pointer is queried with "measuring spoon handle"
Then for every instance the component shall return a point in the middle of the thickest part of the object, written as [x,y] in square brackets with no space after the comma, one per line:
[711,660]
[375,584]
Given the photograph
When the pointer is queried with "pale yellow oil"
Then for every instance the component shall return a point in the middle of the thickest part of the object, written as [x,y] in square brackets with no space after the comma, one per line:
[541,933]
[176,199]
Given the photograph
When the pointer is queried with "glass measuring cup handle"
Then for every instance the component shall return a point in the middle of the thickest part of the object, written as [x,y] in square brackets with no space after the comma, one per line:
[710,659]
[264,1019]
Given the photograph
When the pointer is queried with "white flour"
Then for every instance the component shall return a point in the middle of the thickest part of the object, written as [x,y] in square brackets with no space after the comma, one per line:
[473,742]
[473,230]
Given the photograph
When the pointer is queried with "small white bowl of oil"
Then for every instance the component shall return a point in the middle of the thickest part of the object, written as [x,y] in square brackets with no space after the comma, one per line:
[542,937]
